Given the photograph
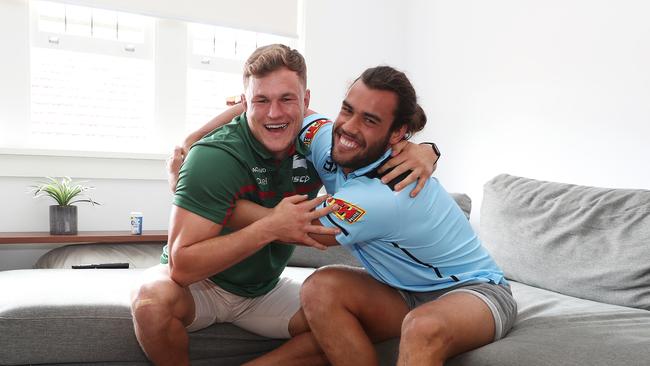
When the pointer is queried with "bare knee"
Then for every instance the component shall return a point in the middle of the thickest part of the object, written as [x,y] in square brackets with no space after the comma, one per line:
[152,305]
[321,291]
[425,330]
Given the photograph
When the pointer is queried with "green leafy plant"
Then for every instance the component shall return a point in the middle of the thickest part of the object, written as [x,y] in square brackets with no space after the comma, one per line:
[64,191]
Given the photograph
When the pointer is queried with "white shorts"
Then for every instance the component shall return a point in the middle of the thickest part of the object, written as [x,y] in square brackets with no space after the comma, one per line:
[267,315]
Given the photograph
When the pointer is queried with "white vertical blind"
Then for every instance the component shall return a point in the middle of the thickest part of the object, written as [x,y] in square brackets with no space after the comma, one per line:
[278,17]
[92,79]
[71,20]
[207,92]
[90,101]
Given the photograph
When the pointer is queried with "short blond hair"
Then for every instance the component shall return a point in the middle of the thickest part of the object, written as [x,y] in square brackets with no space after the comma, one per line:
[267,59]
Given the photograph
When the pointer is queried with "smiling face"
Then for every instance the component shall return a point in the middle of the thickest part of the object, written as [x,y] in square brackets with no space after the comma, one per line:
[275,106]
[362,129]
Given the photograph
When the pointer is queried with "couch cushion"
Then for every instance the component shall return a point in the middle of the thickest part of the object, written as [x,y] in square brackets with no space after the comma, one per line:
[464,202]
[555,329]
[593,243]
[309,257]
[67,315]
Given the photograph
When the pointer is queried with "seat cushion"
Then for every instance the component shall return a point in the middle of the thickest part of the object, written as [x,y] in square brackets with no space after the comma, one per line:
[65,316]
[559,330]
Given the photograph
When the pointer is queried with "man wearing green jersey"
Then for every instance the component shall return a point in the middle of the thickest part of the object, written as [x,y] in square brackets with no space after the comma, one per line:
[208,268]
[209,273]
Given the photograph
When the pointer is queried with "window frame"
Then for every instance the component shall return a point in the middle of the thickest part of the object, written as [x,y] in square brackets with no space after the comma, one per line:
[18,159]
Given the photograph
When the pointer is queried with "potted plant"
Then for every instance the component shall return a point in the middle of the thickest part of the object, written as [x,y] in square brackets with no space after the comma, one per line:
[63,215]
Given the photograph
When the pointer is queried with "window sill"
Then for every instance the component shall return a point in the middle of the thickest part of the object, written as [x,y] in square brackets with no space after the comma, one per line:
[78,164]
[82,154]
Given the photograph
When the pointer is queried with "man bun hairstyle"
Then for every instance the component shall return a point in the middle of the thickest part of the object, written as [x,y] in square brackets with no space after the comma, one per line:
[408,111]
[267,59]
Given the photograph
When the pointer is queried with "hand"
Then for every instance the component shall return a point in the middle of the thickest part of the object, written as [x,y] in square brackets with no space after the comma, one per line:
[291,220]
[420,159]
[174,162]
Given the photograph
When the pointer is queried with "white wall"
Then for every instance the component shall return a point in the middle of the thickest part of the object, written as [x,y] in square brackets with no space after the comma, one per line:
[343,38]
[553,90]
[118,197]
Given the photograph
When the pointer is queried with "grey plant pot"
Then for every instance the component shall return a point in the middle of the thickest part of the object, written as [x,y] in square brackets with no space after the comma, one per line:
[63,220]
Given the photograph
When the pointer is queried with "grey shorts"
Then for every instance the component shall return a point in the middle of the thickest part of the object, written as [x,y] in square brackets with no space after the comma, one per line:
[267,315]
[497,297]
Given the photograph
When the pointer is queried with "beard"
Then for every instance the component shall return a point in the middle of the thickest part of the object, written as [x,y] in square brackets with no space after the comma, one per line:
[367,154]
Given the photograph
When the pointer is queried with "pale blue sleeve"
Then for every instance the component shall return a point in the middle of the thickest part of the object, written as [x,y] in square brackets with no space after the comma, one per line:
[366,212]
[316,134]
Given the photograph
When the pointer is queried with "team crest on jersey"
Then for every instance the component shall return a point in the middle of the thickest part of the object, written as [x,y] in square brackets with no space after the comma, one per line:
[347,211]
[311,130]
[299,162]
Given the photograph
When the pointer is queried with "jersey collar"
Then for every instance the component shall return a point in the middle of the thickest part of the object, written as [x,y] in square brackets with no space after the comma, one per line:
[363,171]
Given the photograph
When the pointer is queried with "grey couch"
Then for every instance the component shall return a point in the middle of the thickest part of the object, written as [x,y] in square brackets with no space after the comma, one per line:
[577,258]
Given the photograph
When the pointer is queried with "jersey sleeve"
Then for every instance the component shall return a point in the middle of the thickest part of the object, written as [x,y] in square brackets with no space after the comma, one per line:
[209,183]
[316,134]
[365,213]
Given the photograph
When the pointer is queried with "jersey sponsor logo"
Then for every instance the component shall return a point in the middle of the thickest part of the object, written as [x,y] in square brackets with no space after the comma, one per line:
[329,166]
[311,131]
[258,170]
[301,179]
[347,211]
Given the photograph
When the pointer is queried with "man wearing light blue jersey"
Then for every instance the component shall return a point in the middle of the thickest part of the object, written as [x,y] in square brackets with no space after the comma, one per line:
[427,277]
[398,239]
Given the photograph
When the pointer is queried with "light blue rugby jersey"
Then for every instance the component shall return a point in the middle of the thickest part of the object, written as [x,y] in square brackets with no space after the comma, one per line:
[417,244]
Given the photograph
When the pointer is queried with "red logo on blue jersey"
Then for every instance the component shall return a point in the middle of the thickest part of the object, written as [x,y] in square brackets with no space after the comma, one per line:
[311,130]
[347,211]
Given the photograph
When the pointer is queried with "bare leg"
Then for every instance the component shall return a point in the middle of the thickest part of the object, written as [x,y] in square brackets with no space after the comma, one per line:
[347,310]
[438,330]
[301,349]
[161,309]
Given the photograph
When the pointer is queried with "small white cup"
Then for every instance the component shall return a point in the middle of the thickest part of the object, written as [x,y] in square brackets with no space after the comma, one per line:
[136,223]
